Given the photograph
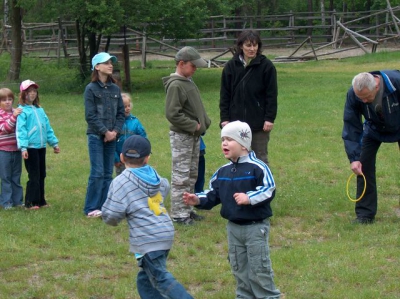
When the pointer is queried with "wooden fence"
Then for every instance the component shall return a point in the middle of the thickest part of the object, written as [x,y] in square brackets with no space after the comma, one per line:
[333,30]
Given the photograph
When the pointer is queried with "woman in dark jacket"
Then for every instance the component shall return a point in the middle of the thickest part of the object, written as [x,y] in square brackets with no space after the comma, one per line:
[249,91]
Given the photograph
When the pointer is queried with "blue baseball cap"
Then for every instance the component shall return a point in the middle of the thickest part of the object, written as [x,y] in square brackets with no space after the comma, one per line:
[102,57]
[136,146]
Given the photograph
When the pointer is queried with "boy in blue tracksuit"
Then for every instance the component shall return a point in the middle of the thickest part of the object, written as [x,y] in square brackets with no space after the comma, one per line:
[244,187]
[137,195]
[132,126]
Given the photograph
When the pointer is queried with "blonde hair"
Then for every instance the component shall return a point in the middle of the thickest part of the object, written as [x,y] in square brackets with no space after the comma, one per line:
[6,93]
[127,96]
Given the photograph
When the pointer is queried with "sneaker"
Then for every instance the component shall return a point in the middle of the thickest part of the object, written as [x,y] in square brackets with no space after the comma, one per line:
[363,221]
[184,221]
[94,214]
[8,207]
[195,216]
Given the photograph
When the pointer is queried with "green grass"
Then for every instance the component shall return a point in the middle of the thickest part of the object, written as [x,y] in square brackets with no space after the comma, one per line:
[316,252]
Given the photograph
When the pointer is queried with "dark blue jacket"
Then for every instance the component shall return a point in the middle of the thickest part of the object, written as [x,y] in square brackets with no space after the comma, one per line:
[104,109]
[386,130]
[249,175]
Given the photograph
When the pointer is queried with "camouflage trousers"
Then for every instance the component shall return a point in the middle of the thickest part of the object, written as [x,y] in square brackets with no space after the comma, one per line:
[185,158]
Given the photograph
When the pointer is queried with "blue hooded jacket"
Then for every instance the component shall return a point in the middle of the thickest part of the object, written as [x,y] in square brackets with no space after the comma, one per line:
[386,130]
[33,129]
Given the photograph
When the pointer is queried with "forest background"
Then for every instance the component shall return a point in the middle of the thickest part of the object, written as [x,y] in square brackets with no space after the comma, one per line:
[174,19]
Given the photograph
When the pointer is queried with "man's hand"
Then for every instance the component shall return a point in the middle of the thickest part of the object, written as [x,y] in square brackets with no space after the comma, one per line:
[356,167]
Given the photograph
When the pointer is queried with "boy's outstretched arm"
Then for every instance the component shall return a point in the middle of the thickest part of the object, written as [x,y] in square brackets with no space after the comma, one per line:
[190,199]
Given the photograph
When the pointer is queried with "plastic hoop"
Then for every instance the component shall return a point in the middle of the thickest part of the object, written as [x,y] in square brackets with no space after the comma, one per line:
[347,188]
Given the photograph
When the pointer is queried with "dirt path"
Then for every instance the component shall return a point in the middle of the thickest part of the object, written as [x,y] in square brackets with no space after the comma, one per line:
[326,53]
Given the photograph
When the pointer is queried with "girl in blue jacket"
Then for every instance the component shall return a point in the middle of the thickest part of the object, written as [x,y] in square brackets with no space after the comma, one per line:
[33,133]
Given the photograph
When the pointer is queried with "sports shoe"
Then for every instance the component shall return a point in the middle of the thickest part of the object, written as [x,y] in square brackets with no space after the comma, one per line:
[363,221]
[195,216]
[183,221]
[94,214]
[8,207]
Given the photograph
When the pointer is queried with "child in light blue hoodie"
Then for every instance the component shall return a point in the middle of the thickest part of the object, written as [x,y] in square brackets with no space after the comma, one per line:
[137,195]
[33,133]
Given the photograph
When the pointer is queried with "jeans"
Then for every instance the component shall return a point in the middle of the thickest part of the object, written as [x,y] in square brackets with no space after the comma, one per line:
[10,175]
[155,282]
[35,165]
[199,186]
[101,155]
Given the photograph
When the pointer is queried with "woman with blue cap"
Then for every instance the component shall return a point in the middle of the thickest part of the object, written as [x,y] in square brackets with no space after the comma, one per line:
[105,116]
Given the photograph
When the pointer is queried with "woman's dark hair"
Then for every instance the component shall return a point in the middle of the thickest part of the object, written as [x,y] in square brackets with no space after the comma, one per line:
[95,77]
[251,36]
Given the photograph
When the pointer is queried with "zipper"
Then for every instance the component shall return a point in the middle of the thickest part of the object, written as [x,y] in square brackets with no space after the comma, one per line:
[388,104]
[39,125]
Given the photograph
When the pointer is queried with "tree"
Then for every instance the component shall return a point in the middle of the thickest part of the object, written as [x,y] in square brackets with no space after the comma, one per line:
[16,40]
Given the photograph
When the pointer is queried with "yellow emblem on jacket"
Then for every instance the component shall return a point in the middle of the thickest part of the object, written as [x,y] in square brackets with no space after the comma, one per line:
[154,203]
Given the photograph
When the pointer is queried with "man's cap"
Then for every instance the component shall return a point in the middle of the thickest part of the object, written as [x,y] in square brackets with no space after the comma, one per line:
[102,57]
[136,146]
[26,84]
[238,131]
[190,54]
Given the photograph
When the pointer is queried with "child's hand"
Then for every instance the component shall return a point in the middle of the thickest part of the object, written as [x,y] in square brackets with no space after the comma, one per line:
[241,198]
[56,150]
[17,111]
[24,154]
[190,199]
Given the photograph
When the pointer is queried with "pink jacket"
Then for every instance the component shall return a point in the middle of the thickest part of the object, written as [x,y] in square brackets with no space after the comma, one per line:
[8,142]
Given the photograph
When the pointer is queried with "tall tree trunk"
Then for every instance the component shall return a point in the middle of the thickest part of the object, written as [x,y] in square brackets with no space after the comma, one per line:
[16,41]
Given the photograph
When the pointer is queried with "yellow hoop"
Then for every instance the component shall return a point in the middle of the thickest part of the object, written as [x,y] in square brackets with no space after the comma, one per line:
[347,188]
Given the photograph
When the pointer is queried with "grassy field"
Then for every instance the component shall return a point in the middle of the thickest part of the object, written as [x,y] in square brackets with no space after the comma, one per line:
[316,251]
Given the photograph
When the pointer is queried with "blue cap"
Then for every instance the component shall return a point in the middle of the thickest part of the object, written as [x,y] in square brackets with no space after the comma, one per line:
[102,57]
[136,146]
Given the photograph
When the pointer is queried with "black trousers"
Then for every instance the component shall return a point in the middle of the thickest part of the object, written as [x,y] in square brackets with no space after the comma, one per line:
[368,205]
[35,165]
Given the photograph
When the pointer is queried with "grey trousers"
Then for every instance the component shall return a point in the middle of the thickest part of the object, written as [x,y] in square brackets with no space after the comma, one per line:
[250,261]
[259,145]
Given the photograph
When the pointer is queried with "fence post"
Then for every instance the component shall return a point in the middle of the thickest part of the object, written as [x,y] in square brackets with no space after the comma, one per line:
[143,63]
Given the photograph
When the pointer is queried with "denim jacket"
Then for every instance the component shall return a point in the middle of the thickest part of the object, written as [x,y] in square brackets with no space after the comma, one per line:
[104,109]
